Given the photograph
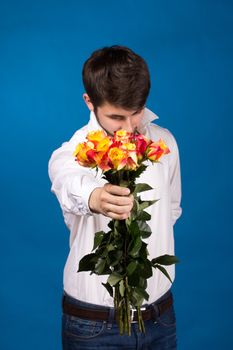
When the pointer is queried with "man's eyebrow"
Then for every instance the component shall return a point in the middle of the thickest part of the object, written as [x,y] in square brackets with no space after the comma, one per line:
[122,116]
[115,115]
[137,111]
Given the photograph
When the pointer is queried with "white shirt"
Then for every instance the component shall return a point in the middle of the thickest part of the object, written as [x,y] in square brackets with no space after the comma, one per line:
[73,184]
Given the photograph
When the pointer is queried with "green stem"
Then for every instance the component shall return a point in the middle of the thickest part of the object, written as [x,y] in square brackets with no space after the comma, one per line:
[140,320]
[127,306]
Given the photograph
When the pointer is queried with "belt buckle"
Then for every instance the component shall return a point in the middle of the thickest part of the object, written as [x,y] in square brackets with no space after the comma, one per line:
[132,313]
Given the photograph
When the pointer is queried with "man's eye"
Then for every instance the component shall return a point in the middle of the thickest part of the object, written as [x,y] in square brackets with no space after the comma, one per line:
[116,117]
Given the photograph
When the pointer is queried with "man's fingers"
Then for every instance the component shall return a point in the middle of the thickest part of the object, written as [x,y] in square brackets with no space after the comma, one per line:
[111,208]
[117,190]
[117,200]
[113,201]
[117,195]
[118,216]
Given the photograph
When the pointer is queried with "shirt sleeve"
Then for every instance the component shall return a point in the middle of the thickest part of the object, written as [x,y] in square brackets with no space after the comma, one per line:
[71,183]
[175,181]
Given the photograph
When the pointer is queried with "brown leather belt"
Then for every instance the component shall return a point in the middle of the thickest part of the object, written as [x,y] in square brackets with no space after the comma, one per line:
[151,311]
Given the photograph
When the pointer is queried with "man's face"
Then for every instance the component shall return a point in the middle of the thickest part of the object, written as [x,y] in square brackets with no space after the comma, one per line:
[113,118]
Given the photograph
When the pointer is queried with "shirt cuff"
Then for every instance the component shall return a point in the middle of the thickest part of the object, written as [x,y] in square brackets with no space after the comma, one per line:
[82,197]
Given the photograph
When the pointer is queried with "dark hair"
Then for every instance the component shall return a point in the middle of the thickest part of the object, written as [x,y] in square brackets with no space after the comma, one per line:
[118,76]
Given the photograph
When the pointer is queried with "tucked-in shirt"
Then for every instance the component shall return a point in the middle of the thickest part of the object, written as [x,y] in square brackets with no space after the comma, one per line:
[73,185]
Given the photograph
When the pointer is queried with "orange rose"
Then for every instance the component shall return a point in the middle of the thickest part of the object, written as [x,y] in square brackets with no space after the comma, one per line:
[84,154]
[132,159]
[104,163]
[142,143]
[156,150]
[124,150]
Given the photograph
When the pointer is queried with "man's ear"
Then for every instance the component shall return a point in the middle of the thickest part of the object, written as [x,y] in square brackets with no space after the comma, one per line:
[88,102]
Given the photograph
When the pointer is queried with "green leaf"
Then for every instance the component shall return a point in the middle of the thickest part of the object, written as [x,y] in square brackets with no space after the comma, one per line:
[138,295]
[133,280]
[120,269]
[109,288]
[119,227]
[99,266]
[114,278]
[136,247]
[145,204]
[134,229]
[146,269]
[138,172]
[136,205]
[110,247]
[143,215]
[143,251]
[111,225]
[135,210]
[115,257]
[142,293]
[87,263]
[165,260]
[131,267]
[144,228]
[98,239]
[163,270]
[136,298]
[103,252]
[142,282]
[141,188]
[128,221]
[122,288]
[117,242]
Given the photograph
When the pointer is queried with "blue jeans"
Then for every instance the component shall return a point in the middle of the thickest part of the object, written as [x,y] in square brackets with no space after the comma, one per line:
[83,334]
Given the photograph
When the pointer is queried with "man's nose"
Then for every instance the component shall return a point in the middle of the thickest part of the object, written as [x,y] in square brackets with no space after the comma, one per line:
[129,125]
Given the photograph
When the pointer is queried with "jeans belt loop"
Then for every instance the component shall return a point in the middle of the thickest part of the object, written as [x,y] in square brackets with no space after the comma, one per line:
[155,312]
[110,318]
[132,313]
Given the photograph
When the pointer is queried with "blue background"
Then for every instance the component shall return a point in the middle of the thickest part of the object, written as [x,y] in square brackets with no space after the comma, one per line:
[189,49]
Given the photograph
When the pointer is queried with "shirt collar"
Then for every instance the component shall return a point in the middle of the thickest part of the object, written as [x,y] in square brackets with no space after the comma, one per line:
[148,117]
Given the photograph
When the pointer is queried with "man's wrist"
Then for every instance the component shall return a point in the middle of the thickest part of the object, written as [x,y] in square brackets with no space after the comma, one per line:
[93,202]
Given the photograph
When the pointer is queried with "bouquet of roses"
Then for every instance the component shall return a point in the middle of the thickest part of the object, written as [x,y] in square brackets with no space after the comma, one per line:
[121,252]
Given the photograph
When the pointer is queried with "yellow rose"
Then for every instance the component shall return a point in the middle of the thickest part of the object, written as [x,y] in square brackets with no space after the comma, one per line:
[118,157]
[79,149]
[103,145]
[122,135]
[96,136]
[129,146]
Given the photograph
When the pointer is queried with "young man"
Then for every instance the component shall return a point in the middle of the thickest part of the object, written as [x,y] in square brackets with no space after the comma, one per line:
[117,85]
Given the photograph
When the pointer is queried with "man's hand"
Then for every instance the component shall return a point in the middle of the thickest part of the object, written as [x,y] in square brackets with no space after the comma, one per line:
[113,201]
